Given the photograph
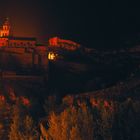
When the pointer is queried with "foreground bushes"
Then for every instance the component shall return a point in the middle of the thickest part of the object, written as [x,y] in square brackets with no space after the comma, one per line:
[71,124]
[72,119]
[93,119]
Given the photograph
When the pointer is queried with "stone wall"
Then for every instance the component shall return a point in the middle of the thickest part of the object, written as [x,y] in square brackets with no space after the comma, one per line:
[24,60]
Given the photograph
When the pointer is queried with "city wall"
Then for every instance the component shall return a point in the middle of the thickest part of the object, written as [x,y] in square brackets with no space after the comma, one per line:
[26,60]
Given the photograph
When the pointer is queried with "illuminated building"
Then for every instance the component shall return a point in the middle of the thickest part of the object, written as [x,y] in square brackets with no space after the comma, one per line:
[64,44]
[21,51]
[7,40]
[57,48]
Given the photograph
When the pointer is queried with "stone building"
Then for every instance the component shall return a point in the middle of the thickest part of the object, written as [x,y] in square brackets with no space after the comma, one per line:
[7,40]
[63,44]
[20,52]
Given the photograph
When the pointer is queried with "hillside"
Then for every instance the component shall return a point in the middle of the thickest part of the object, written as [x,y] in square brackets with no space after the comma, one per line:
[85,72]
[120,91]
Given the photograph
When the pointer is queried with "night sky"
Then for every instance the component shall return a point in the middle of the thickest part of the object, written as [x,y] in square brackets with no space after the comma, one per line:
[92,23]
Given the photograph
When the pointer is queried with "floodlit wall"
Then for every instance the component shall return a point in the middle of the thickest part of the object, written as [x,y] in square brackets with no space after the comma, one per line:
[65,44]
[22,43]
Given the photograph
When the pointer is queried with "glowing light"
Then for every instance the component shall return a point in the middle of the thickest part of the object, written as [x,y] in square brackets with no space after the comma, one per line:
[51,56]
[12,96]
[25,101]
[2,98]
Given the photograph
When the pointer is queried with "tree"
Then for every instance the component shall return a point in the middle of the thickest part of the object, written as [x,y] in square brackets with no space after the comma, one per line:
[29,131]
[22,126]
[75,134]
[14,133]
[54,127]
[73,123]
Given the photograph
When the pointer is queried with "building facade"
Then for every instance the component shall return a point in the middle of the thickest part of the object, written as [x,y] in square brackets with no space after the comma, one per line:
[64,44]
[7,40]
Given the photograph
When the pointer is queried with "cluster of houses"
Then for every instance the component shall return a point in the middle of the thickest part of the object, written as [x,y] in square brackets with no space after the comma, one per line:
[27,51]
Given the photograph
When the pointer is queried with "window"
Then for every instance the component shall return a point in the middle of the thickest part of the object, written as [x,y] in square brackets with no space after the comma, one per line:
[51,56]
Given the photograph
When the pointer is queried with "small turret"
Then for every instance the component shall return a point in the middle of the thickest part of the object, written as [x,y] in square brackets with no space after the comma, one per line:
[5,31]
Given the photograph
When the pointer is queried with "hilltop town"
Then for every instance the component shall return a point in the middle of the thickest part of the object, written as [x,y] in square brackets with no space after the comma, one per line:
[21,53]
[26,58]
[68,79]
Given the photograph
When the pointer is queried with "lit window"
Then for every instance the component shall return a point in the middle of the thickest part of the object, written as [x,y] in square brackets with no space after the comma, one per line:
[51,56]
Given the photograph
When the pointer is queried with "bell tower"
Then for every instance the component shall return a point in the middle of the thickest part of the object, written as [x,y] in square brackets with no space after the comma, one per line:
[5,31]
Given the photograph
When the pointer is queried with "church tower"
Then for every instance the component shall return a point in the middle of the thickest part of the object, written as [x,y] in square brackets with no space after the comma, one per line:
[5,31]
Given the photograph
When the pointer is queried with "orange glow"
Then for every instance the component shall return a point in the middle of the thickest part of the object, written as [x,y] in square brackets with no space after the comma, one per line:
[64,44]
[51,56]
[2,98]
[93,102]
[25,101]
[57,41]
[53,41]
[11,93]
[12,96]
[106,104]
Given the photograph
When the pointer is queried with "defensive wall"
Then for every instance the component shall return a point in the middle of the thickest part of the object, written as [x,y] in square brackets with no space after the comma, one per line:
[18,57]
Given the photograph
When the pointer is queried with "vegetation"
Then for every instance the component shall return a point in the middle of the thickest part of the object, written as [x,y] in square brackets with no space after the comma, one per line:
[22,126]
[72,123]
[74,118]
[92,119]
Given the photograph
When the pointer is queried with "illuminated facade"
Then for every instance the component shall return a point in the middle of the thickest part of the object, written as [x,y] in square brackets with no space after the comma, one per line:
[5,30]
[64,44]
[58,47]
[7,40]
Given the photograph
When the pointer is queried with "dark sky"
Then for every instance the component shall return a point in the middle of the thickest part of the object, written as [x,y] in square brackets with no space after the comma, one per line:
[92,23]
